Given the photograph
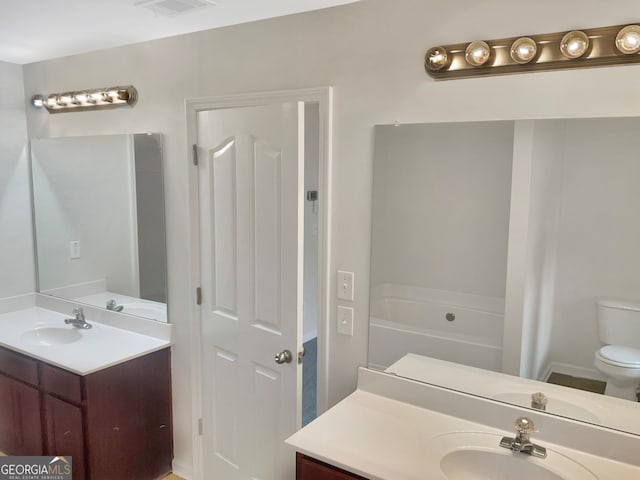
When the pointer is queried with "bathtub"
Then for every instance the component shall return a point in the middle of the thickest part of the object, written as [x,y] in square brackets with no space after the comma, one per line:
[446,325]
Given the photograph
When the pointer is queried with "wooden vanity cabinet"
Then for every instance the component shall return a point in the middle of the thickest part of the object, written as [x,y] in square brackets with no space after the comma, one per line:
[308,468]
[20,429]
[114,423]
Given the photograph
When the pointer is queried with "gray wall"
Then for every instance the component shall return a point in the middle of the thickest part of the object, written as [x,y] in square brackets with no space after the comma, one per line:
[441,206]
[84,191]
[17,274]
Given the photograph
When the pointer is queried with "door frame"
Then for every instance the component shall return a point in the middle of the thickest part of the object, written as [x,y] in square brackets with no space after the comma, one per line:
[323,96]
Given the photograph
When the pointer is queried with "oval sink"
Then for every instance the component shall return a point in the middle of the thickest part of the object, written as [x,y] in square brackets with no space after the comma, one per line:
[49,336]
[478,456]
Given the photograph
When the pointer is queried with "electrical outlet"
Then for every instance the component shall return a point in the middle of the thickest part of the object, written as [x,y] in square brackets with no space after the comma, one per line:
[345,321]
[345,285]
[74,249]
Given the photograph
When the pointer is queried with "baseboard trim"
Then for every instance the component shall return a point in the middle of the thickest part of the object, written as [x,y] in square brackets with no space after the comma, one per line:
[182,470]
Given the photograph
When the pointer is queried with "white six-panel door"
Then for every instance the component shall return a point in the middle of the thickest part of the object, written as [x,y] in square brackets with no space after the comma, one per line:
[251,204]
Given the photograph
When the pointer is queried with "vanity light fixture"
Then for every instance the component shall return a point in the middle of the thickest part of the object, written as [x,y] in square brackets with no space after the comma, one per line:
[595,47]
[96,99]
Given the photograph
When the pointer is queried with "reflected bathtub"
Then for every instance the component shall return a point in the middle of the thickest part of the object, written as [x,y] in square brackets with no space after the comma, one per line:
[446,325]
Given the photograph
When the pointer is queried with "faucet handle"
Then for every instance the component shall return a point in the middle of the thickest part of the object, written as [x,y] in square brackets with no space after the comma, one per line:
[79,313]
[524,426]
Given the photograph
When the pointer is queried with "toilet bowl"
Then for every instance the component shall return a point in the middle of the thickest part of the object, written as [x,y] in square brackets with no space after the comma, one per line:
[621,365]
[619,358]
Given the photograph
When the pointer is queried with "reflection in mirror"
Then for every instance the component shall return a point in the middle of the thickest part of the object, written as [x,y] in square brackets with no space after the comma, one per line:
[511,247]
[99,221]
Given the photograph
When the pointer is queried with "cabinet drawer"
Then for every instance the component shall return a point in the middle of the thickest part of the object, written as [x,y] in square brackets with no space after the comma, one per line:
[61,383]
[18,366]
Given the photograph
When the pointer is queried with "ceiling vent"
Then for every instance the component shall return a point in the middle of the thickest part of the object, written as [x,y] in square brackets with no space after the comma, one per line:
[171,8]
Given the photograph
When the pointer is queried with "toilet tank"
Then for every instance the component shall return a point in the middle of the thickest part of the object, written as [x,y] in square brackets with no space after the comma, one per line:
[619,322]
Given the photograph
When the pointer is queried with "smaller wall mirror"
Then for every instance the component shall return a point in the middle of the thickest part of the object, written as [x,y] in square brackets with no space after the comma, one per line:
[99,221]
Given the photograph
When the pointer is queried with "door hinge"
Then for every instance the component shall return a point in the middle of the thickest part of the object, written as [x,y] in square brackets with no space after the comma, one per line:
[300,355]
[198,296]
[195,155]
[200,426]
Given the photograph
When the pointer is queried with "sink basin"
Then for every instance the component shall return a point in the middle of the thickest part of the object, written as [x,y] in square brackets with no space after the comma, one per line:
[49,336]
[555,406]
[477,456]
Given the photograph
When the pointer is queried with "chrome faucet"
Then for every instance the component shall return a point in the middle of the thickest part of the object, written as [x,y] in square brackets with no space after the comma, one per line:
[112,305]
[539,401]
[522,441]
[79,321]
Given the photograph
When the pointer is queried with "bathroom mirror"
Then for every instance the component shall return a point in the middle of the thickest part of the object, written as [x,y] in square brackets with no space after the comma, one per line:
[99,221]
[492,243]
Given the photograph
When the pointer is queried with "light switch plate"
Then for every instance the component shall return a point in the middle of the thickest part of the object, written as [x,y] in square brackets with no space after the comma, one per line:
[345,285]
[345,320]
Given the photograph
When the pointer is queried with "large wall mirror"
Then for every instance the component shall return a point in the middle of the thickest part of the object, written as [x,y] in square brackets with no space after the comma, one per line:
[498,245]
[99,221]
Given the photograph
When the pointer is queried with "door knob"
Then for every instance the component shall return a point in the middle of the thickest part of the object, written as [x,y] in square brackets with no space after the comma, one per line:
[283,357]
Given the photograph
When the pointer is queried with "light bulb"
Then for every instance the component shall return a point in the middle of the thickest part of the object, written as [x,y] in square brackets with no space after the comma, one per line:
[79,98]
[436,58]
[628,40]
[51,101]
[477,53]
[574,44]
[37,101]
[64,99]
[523,50]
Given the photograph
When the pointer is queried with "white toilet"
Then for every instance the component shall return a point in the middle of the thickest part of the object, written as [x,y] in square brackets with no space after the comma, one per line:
[619,359]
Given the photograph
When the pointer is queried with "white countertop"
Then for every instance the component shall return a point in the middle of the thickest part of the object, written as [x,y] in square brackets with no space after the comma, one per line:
[385,439]
[100,347]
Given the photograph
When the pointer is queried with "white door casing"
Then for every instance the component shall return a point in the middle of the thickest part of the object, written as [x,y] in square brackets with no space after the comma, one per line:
[250,172]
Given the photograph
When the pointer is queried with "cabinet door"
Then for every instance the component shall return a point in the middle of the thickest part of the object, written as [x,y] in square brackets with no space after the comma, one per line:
[65,433]
[129,419]
[20,431]
[310,469]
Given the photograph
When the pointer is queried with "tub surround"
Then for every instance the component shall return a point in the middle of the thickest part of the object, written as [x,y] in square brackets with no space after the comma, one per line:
[115,338]
[382,431]
[449,325]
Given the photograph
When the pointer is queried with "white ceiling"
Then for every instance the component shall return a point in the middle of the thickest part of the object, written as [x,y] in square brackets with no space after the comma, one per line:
[34,30]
